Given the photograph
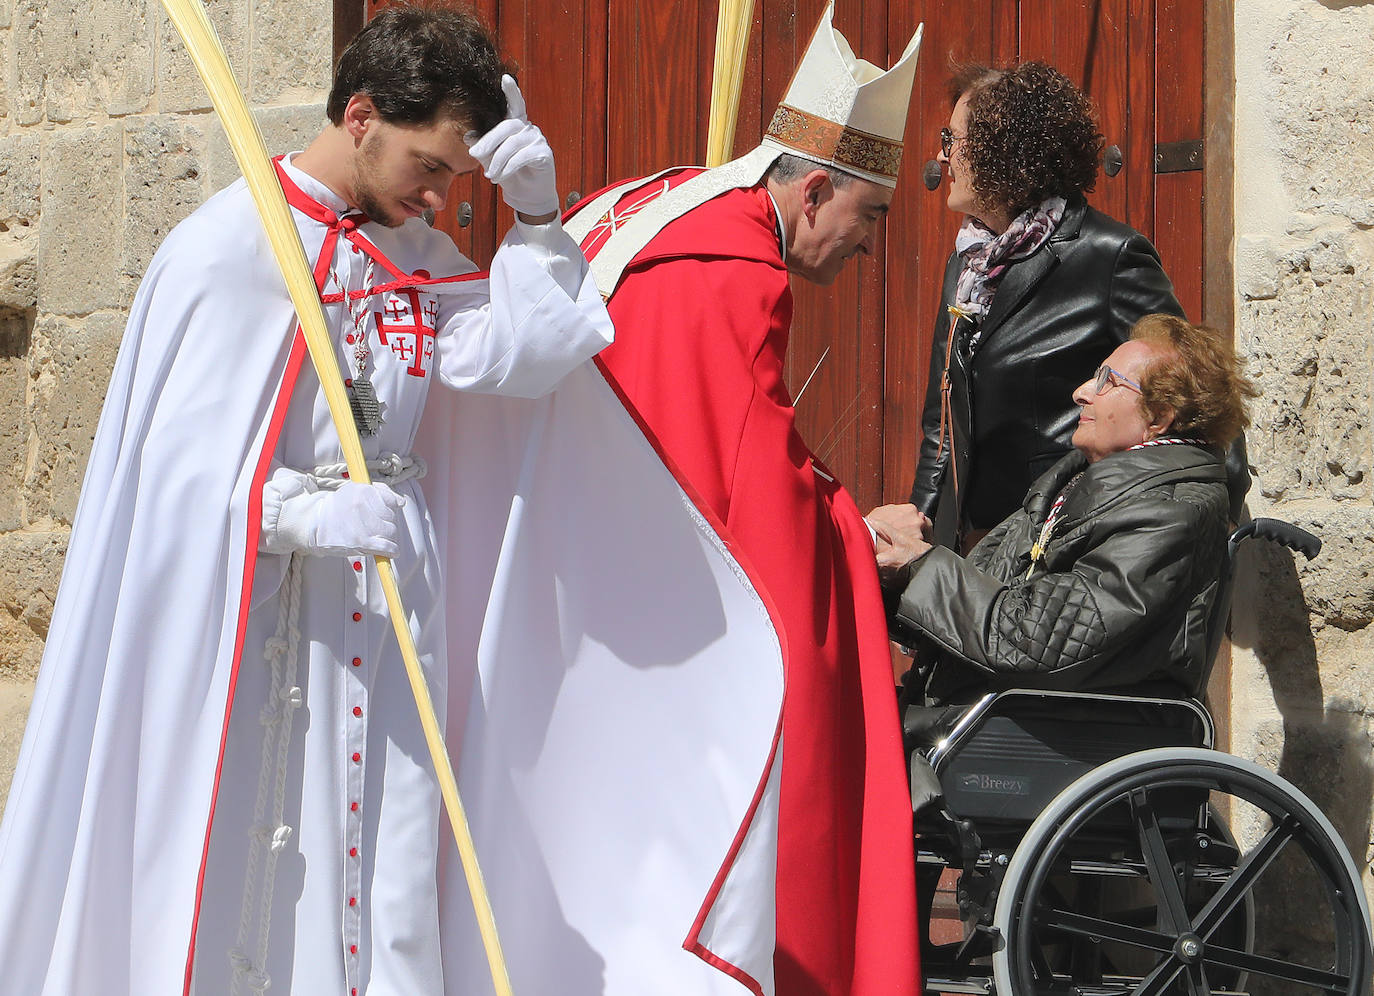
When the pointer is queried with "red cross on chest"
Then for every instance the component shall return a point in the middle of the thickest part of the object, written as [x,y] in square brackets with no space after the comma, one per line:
[412,341]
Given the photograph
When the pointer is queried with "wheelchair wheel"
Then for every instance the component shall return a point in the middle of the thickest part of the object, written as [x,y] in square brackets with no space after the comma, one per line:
[1128,883]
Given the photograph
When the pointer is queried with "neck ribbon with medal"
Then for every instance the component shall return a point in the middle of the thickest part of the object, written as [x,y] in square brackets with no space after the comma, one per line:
[362,397]
[1037,551]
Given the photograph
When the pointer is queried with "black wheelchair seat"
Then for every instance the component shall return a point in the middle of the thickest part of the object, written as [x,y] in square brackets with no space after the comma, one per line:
[1007,756]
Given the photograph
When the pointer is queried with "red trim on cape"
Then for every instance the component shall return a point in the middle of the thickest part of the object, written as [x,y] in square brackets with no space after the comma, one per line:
[349,224]
[250,561]
[412,281]
[317,212]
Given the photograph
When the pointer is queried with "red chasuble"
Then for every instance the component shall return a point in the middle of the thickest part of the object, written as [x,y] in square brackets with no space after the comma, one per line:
[702,319]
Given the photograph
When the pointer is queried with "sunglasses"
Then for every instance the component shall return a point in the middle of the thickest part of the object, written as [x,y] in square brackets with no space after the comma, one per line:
[1106,378]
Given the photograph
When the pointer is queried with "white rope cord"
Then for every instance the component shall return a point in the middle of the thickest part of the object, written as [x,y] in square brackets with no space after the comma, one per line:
[284,697]
[389,468]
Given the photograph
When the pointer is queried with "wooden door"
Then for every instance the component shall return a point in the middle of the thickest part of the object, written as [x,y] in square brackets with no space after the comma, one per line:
[622,88]
[1111,48]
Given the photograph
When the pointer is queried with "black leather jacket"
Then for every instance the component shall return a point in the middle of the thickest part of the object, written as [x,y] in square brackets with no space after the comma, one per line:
[1056,315]
[1121,597]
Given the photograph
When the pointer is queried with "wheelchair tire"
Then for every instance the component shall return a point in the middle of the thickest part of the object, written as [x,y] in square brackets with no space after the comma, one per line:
[1201,941]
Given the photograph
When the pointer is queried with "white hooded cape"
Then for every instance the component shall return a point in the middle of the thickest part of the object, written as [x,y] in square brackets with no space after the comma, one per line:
[614,682]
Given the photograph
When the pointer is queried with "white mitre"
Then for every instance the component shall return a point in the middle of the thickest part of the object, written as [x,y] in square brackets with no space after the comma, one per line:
[838,111]
[845,112]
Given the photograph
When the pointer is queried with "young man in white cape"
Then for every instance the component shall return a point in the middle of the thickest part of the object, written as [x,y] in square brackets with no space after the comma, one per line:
[223,785]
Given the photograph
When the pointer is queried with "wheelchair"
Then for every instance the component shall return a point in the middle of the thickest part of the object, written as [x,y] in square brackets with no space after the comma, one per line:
[1102,847]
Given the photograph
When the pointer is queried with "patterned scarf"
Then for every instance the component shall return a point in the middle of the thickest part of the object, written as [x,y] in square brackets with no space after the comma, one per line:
[987,256]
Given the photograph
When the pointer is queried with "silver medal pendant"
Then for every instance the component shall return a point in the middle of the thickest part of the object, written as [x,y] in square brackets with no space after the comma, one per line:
[367,413]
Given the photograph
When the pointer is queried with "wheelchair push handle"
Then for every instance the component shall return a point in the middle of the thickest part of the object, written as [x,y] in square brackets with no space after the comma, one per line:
[1277,531]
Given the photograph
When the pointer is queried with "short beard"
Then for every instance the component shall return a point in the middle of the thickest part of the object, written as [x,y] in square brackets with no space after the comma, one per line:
[364,188]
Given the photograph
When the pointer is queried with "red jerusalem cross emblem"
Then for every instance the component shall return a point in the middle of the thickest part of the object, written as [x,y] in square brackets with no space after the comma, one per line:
[410,329]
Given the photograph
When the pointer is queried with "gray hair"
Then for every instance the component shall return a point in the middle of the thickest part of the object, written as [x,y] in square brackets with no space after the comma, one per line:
[788,167]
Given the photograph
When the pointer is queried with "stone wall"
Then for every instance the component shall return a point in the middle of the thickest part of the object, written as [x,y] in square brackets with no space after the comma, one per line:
[1303,673]
[106,142]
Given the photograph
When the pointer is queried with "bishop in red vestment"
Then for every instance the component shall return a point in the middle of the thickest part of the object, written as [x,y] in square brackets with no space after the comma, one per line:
[702,315]
[695,266]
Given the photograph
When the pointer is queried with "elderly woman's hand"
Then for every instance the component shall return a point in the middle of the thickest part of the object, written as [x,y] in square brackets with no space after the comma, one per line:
[901,534]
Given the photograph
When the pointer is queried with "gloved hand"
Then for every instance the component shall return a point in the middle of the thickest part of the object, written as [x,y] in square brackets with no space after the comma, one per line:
[516,157]
[356,518]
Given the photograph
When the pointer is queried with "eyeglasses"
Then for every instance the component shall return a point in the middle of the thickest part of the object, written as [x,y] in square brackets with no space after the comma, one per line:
[947,140]
[1106,378]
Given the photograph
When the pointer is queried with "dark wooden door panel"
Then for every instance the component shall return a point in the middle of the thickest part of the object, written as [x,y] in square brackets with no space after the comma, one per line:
[653,114]
[1089,41]
[841,413]
[622,88]
[1178,117]
[920,229]
[561,52]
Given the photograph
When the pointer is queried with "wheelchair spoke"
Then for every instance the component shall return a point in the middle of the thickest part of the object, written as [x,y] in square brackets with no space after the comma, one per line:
[1106,930]
[1276,968]
[1160,979]
[1229,896]
[1157,863]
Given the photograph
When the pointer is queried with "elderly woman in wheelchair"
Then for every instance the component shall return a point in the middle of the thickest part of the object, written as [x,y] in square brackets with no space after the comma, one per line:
[1062,768]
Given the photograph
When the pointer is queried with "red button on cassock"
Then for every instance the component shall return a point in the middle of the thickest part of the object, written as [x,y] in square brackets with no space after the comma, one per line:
[349,338]
[357,757]
[357,565]
[352,900]
[354,807]
[352,852]
[353,949]
[357,662]
[357,617]
[357,710]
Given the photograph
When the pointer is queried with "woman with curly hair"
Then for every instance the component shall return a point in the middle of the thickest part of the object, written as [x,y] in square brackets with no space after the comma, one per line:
[1039,288]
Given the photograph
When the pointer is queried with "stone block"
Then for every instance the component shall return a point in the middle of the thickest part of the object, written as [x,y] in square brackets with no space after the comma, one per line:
[164,181]
[69,369]
[1339,583]
[179,87]
[4,65]
[1321,86]
[292,51]
[20,179]
[79,238]
[1257,267]
[1308,349]
[15,699]
[18,282]
[14,438]
[28,586]
[27,72]
[98,58]
[284,129]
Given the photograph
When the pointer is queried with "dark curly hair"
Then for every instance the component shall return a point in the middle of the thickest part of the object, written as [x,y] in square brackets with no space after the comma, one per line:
[1197,375]
[1031,134]
[418,61]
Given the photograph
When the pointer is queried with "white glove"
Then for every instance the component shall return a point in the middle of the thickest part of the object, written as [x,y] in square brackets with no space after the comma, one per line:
[356,518]
[516,157]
